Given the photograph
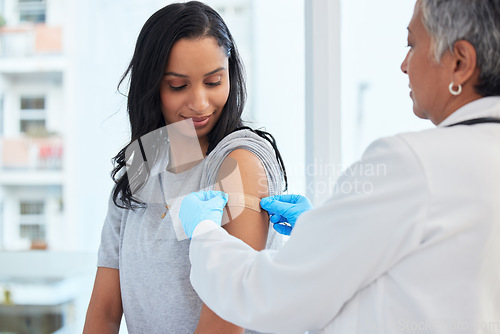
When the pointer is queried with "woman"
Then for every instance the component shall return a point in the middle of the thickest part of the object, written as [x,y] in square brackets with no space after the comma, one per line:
[185,101]
[420,251]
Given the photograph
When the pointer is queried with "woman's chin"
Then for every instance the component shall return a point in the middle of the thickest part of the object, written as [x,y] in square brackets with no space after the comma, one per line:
[419,113]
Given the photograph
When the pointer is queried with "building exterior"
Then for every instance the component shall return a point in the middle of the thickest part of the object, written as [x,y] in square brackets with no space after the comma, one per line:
[33,127]
[32,123]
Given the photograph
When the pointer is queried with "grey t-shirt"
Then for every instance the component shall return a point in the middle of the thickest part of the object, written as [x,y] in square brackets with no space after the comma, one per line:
[157,295]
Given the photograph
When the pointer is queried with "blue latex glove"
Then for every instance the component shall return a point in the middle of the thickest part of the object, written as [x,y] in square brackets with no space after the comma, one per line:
[284,210]
[200,206]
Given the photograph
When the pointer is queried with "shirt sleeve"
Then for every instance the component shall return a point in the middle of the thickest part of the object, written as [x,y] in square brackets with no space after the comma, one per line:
[247,140]
[108,254]
[373,220]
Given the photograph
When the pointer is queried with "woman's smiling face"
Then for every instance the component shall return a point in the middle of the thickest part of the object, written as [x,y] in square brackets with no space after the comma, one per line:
[195,84]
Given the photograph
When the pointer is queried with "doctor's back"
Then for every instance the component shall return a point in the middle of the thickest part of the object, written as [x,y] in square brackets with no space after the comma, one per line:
[420,251]
[430,251]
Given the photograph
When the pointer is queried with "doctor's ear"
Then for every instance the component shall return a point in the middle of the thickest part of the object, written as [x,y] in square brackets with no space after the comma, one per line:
[465,62]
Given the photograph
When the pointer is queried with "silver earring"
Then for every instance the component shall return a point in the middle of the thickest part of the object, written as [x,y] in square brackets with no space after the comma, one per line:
[455,92]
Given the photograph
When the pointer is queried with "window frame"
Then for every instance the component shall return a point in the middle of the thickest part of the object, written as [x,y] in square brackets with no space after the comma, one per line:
[323,110]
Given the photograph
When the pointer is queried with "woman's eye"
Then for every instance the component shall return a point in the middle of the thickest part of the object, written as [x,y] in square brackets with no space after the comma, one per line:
[214,84]
[213,81]
[177,88]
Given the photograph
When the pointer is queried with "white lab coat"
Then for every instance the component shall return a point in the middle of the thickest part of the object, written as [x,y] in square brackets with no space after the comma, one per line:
[419,253]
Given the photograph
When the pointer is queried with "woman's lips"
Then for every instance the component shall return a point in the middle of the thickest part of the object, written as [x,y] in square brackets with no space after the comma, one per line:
[199,122]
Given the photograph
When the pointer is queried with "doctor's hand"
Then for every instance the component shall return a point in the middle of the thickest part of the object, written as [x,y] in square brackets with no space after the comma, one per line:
[200,206]
[284,210]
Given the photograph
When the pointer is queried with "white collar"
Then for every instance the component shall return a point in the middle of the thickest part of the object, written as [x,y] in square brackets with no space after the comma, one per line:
[483,107]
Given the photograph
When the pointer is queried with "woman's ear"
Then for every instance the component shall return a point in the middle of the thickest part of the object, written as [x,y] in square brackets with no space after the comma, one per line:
[465,61]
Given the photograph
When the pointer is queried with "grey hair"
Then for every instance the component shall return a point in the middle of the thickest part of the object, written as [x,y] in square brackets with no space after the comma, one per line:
[476,21]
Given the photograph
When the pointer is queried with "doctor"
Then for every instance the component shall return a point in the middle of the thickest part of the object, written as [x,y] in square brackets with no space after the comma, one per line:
[418,254]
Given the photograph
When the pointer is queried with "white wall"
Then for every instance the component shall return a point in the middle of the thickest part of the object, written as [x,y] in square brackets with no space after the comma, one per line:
[55,12]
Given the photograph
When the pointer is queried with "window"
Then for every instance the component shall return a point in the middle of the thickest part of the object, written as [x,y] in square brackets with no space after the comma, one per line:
[31,208]
[32,116]
[32,103]
[269,39]
[375,101]
[32,220]
[32,231]
[32,11]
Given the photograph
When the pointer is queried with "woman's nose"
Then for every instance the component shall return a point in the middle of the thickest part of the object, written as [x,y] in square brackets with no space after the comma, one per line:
[198,101]
[404,64]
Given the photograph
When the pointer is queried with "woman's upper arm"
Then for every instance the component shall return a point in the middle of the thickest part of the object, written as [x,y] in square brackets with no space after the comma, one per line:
[105,308]
[242,173]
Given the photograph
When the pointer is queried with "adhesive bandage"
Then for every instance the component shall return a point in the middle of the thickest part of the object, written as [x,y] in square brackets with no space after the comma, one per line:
[244,200]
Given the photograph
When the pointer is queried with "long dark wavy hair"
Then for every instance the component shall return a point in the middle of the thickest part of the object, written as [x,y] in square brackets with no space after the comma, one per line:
[145,72]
